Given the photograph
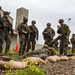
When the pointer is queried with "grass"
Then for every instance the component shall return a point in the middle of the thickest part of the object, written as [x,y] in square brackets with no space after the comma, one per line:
[32,70]
[11,51]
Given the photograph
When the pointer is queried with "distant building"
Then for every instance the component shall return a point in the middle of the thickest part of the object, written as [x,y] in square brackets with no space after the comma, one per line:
[21,12]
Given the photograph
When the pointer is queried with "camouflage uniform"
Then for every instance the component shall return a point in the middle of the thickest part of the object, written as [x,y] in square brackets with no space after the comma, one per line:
[48,33]
[73,43]
[7,28]
[23,35]
[45,51]
[33,36]
[42,53]
[64,32]
[1,35]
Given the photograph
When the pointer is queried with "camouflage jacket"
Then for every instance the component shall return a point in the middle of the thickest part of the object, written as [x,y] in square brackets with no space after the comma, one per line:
[7,25]
[1,24]
[48,32]
[23,29]
[72,40]
[64,30]
[34,31]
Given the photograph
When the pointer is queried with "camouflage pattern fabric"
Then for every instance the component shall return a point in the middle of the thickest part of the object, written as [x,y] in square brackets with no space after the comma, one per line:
[73,43]
[48,34]
[42,53]
[1,36]
[1,40]
[23,37]
[6,31]
[64,32]
[33,37]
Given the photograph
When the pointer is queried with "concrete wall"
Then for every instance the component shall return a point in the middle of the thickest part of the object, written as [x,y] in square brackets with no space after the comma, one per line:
[38,46]
[13,42]
[20,13]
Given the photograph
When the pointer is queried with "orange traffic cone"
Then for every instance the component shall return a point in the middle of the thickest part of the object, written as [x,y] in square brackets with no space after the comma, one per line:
[70,50]
[17,47]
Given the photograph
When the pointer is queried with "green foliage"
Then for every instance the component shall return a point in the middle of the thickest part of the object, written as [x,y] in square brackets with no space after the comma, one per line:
[33,70]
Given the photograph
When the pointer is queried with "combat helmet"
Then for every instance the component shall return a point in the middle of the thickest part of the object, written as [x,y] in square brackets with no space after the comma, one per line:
[48,24]
[61,20]
[25,19]
[6,13]
[33,21]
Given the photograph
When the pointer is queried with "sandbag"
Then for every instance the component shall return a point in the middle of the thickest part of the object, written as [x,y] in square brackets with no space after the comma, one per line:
[71,57]
[12,64]
[53,58]
[34,60]
[5,58]
[64,58]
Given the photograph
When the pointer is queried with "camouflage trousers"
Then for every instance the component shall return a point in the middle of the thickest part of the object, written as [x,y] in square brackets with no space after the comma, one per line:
[1,41]
[23,44]
[63,46]
[73,48]
[7,39]
[31,44]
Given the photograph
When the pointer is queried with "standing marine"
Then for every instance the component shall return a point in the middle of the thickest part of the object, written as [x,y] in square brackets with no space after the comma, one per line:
[1,34]
[34,35]
[48,33]
[7,29]
[64,32]
[23,30]
[73,43]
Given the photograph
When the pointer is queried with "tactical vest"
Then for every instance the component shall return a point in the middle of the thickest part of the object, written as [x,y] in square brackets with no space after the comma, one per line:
[5,23]
[49,30]
[64,30]
[33,29]
[24,27]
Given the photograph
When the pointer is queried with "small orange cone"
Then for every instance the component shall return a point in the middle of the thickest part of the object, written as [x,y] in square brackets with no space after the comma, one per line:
[17,47]
[71,51]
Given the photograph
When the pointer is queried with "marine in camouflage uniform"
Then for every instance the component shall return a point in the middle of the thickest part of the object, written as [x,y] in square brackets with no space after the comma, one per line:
[45,51]
[7,29]
[1,34]
[48,33]
[33,36]
[64,32]
[42,53]
[73,43]
[23,30]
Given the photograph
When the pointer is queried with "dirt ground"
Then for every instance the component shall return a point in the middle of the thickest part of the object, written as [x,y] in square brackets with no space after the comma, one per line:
[60,68]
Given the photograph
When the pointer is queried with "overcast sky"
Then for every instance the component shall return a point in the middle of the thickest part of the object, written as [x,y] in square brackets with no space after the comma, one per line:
[44,11]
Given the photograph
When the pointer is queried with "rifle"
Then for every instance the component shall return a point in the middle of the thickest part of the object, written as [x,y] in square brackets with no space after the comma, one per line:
[54,41]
